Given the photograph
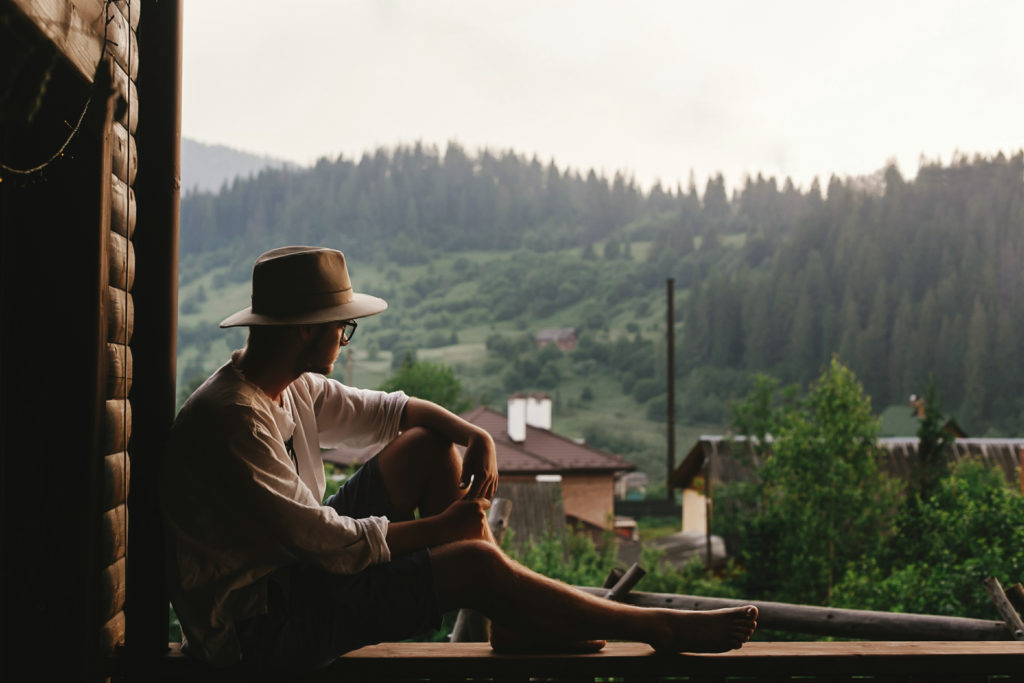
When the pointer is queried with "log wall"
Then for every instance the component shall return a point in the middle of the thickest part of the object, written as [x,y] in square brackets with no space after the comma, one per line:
[122,19]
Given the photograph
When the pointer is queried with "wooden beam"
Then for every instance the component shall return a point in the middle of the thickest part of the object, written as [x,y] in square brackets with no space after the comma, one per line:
[156,292]
[1010,617]
[75,27]
[832,621]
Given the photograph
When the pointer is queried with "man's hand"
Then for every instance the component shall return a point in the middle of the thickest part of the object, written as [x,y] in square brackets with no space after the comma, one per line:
[481,465]
[466,519]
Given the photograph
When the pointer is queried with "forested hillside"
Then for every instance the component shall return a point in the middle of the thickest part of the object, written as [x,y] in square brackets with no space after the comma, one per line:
[901,277]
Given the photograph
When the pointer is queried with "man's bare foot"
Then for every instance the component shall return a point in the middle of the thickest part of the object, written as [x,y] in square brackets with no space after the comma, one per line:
[707,631]
[506,641]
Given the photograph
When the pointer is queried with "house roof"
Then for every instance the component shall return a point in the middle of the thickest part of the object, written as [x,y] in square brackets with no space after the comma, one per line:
[554,334]
[542,451]
[733,458]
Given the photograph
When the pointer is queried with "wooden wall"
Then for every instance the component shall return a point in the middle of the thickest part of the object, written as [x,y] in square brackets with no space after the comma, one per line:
[68,309]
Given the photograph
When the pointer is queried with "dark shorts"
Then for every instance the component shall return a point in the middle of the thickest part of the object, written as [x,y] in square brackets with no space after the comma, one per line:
[314,616]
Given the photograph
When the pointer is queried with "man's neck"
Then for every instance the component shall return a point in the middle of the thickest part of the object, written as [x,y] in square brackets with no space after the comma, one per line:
[269,373]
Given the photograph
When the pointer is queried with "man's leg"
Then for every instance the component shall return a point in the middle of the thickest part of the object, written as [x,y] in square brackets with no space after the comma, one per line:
[421,470]
[476,574]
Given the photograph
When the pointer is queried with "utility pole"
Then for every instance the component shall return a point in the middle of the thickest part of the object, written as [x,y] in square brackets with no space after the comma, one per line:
[671,395]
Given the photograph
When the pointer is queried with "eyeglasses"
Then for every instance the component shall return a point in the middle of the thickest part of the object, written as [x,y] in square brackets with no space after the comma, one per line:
[348,330]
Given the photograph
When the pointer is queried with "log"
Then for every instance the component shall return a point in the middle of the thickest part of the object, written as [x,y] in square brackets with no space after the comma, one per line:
[614,574]
[122,207]
[112,590]
[1015,594]
[1011,619]
[126,159]
[113,534]
[119,370]
[128,113]
[130,9]
[121,261]
[117,425]
[626,583]
[120,316]
[116,477]
[112,634]
[832,621]
[121,42]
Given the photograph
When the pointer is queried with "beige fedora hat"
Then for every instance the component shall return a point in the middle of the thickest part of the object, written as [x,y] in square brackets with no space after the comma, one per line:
[301,286]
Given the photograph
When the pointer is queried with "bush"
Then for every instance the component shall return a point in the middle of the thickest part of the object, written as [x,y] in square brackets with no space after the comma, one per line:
[943,547]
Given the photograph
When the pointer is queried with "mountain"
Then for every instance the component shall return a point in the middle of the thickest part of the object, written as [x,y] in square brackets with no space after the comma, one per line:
[205,168]
[902,278]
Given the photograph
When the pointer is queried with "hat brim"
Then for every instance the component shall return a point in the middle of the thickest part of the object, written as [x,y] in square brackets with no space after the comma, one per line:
[361,306]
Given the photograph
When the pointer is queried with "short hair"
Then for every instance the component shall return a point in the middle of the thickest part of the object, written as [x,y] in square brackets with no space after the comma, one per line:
[269,335]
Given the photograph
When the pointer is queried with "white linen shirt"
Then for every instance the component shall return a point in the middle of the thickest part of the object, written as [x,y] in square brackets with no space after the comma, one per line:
[236,507]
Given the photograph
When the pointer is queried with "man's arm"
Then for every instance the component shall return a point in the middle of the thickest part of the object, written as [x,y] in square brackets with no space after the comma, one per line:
[479,461]
[464,519]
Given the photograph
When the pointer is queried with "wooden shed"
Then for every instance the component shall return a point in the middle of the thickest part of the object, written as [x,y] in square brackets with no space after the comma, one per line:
[88,217]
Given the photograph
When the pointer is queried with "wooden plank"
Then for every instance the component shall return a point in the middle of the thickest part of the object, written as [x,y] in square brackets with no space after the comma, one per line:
[117,425]
[75,27]
[1013,622]
[832,621]
[632,661]
[123,210]
[120,316]
[116,473]
[121,261]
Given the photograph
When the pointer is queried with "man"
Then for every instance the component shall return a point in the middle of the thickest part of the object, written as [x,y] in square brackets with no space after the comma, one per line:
[260,570]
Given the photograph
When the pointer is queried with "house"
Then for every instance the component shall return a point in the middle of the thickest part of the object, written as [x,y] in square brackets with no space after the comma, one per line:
[528,450]
[718,459]
[563,337]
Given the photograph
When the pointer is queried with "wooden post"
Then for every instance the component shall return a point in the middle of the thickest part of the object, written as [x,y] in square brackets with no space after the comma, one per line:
[670,425]
[626,582]
[156,297]
[470,625]
[1010,617]
[1015,594]
[1020,469]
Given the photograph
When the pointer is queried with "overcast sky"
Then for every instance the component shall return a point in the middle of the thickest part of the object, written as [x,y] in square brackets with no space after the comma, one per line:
[656,89]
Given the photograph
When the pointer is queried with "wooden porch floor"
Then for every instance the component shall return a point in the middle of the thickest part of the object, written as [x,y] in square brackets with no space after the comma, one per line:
[890,661]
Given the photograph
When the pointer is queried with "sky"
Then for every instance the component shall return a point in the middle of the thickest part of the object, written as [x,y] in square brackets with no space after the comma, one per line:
[661,91]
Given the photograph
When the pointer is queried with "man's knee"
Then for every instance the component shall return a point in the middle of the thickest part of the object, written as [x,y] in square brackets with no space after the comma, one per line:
[468,569]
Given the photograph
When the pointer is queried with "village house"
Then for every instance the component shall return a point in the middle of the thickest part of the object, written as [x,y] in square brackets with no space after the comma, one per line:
[723,459]
[563,337]
[529,451]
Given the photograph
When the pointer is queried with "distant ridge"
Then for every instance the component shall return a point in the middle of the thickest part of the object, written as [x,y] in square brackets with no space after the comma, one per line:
[205,168]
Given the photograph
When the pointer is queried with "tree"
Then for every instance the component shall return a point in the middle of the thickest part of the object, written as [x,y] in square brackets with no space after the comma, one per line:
[821,501]
[431,381]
